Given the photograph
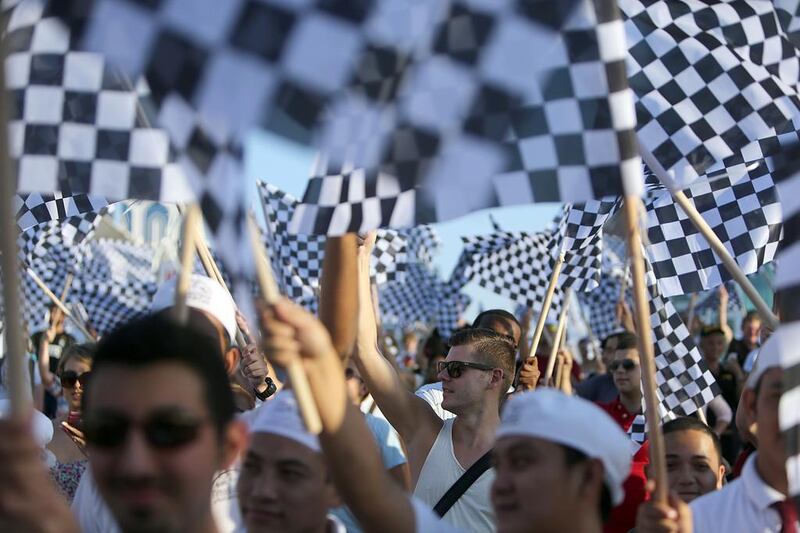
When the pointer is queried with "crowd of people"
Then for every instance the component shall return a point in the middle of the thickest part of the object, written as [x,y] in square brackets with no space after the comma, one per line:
[163,426]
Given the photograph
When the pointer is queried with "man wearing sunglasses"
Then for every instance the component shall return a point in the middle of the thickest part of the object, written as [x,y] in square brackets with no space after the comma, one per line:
[159,425]
[627,375]
[475,376]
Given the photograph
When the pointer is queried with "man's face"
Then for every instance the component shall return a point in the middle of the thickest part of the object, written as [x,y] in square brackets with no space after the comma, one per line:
[150,488]
[356,389]
[467,389]
[751,328]
[627,374]
[501,325]
[608,351]
[762,408]
[693,464]
[534,485]
[283,486]
[713,346]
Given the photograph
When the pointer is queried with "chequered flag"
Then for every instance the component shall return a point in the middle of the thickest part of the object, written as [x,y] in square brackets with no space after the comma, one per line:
[709,79]
[684,383]
[600,305]
[33,209]
[297,259]
[421,297]
[56,237]
[565,123]
[76,124]
[787,284]
[581,223]
[739,203]
[116,285]
[710,303]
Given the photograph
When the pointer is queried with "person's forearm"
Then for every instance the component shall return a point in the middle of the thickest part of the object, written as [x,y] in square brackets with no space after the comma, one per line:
[355,464]
[381,379]
[338,300]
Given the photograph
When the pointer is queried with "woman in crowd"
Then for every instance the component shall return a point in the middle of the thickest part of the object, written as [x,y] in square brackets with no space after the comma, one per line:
[73,370]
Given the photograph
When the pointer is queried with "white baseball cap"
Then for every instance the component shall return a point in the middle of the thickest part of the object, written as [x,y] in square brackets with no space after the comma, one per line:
[280,416]
[571,421]
[204,294]
[769,354]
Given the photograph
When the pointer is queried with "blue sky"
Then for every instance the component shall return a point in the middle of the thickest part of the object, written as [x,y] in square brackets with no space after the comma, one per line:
[286,165]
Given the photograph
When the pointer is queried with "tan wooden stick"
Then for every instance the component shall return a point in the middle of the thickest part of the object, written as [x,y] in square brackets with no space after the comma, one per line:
[14,329]
[558,371]
[548,299]
[562,322]
[60,304]
[632,208]
[733,268]
[190,223]
[67,286]
[294,368]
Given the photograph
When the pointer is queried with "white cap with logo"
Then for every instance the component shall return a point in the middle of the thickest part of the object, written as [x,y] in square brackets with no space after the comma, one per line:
[551,415]
[204,294]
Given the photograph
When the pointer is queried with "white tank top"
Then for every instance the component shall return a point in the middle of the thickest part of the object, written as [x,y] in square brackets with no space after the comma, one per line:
[473,511]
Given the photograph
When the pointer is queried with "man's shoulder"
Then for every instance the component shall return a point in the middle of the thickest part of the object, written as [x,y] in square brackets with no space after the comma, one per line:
[711,507]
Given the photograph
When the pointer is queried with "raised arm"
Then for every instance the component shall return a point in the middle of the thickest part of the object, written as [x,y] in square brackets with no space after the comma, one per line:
[338,301]
[405,411]
[350,450]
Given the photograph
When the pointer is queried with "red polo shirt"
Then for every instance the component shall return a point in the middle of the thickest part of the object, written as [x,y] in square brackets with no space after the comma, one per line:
[623,516]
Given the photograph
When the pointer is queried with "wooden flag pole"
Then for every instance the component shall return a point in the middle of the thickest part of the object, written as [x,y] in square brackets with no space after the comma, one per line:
[294,368]
[548,299]
[692,306]
[58,302]
[212,271]
[733,268]
[190,223]
[14,329]
[67,286]
[633,207]
[562,322]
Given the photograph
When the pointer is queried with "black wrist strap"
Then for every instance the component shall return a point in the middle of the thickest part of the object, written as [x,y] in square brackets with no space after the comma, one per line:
[269,391]
[463,484]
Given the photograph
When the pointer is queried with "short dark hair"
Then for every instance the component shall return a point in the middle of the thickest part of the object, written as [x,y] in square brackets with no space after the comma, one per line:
[499,313]
[607,338]
[687,423]
[627,341]
[711,330]
[491,348]
[573,457]
[158,339]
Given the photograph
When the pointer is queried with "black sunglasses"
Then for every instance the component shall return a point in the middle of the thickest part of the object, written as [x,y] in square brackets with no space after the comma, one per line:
[162,430]
[626,364]
[456,368]
[70,378]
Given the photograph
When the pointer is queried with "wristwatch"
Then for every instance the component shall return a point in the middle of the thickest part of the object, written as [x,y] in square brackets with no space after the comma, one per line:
[269,391]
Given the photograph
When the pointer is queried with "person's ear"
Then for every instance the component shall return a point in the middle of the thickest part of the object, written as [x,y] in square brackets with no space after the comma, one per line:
[748,406]
[231,359]
[497,376]
[720,476]
[235,441]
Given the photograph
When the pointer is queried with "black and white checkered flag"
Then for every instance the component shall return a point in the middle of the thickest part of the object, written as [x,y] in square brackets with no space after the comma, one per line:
[116,285]
[76,123]
[787,283]
[600,305]
[709,79]
[710,304]
[739,203]
[33,209]
[683,381]
[57,238]
[555,132]
[421,297]
[297,259]
[581,223]
[411,93]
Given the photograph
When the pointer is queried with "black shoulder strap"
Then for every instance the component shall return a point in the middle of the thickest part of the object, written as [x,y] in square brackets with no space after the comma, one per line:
[463,484]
